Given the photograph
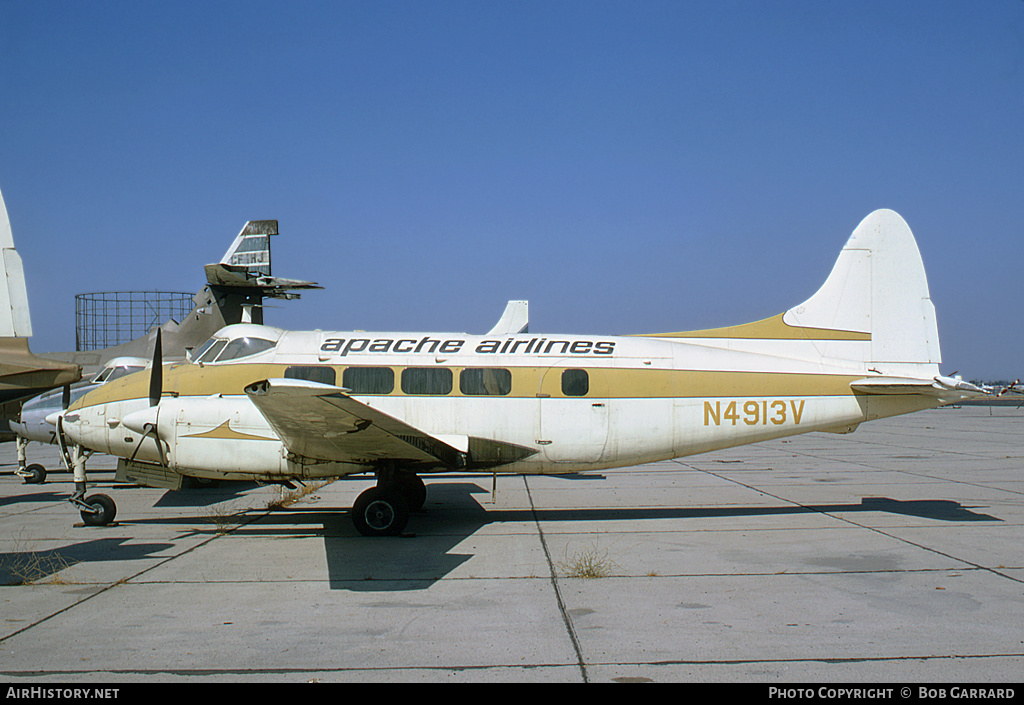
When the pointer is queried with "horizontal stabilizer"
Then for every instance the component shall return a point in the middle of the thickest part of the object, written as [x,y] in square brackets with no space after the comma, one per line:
[948,389]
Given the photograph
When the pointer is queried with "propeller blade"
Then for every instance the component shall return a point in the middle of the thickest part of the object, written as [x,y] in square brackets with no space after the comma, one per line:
[156,375]
[65,397]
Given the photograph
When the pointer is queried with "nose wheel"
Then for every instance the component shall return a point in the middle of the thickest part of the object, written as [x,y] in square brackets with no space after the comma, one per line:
[34,474]
[96,510]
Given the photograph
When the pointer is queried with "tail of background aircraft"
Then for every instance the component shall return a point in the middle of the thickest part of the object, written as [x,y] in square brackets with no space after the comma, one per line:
[514,320]
[15,321]
[236,287]
[22,374]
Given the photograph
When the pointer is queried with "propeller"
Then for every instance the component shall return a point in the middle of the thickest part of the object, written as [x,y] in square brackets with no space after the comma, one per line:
[156,376]
[145,421]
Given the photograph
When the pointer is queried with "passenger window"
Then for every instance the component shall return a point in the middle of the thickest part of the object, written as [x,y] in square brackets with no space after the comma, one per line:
[244,347]
[368,380]
[312,373]
[490,381]
[427,380]
[575,383]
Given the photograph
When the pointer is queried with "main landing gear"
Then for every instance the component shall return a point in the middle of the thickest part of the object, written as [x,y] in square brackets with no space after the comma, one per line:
[384,510]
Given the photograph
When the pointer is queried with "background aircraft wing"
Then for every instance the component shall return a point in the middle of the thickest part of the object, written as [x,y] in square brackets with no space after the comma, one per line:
[322,422]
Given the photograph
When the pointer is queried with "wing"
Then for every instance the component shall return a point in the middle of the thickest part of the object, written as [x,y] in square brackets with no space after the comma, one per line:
[322,422]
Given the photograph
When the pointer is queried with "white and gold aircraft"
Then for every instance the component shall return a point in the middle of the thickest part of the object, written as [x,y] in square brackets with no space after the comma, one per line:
[260,403]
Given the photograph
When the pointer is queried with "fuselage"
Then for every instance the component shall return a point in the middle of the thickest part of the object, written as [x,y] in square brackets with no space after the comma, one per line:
[577,402]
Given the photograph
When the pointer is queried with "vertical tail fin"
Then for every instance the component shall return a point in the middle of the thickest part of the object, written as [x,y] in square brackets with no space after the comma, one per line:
[878,286]
[15,321]
[514,320]
[251,249]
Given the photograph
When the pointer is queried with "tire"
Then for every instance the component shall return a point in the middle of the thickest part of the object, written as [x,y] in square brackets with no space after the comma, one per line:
[411,487]
[37,474]
[380,511]
[105,510]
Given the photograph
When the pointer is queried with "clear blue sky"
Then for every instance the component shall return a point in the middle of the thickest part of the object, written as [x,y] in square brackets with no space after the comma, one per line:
[628,167]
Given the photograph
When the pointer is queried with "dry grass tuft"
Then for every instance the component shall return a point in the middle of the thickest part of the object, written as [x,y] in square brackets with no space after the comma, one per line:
[588,562]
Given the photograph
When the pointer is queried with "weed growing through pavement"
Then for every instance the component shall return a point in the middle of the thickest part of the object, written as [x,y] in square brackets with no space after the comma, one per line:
[588,562]
[26,567]
[286,497]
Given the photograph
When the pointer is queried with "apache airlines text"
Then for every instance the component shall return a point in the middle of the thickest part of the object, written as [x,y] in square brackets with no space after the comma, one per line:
[426,344]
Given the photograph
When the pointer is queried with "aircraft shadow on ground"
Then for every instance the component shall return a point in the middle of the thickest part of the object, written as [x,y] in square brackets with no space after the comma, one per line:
[26,566]
[47,497]
[424,555]
[204,496]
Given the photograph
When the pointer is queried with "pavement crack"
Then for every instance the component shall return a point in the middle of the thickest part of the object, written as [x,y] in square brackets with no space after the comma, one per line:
[554,584]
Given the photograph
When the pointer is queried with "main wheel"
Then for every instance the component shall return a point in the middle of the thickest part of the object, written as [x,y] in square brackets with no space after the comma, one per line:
[380,511]
[36,474]
[411,487]
[104,510]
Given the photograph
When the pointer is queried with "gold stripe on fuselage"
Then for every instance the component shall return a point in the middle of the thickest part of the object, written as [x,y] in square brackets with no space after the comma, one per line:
[190,380]
[773,328]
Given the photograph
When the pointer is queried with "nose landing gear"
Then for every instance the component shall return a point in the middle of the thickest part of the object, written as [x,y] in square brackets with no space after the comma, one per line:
[34,474]
[97,509]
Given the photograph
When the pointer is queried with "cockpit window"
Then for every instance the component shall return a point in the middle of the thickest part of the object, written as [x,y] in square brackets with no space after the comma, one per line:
[109,374]
[209,352]
[244,347]
[119,372]
[201,350]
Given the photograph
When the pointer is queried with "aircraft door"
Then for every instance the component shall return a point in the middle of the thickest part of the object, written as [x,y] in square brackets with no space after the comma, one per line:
[573,419]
